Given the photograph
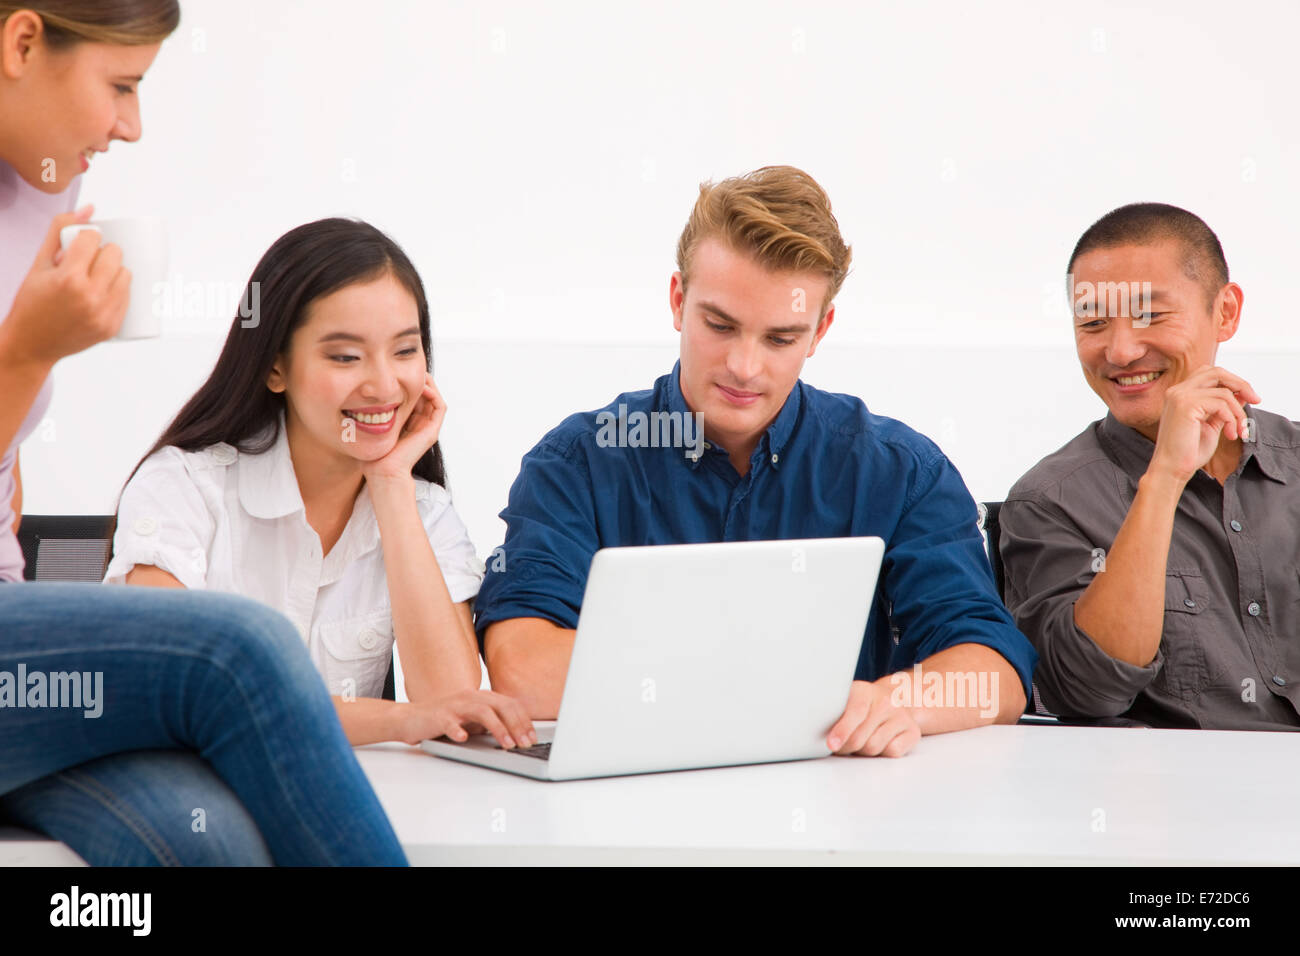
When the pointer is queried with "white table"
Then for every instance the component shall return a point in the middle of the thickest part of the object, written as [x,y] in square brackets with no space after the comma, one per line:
[1018,795]
[19,847]
[1007,794]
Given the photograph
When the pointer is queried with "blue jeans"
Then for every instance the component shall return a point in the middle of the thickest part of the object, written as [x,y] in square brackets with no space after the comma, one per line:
[215,742]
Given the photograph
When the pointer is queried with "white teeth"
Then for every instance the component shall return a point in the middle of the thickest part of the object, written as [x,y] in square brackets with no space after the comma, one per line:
[1139,379]
[383,419]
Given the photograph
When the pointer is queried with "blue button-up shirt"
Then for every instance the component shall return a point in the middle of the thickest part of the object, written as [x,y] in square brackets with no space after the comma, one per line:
[826,467]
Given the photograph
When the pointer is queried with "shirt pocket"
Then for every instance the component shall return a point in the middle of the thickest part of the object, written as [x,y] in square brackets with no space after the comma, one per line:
[356,652]
[1187,616]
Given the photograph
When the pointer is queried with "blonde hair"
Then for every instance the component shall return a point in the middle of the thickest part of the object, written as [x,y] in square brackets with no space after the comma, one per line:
[126,22]
[777,214]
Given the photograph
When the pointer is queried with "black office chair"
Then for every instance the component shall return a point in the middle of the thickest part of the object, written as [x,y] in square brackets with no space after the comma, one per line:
[78,548]
[989,511]
[1035,712]
[65,547]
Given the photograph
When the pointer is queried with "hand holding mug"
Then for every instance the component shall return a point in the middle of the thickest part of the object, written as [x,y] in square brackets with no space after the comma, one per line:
[70,301]
[143,244]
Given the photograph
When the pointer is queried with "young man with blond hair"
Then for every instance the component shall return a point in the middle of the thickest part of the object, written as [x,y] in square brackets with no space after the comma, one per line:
[759,265]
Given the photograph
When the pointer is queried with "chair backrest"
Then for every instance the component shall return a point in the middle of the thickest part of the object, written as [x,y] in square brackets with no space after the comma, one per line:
[989,525]
[78,548]
[65,547]
[989,511]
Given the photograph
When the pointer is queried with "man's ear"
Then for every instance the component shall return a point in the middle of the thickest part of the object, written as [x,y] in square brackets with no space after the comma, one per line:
[676,296]
[21,33]
[823,327]
[275,381]
[1227,311]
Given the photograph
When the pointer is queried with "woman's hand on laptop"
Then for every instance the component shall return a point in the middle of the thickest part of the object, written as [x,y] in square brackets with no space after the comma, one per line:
[471,712]
[872,725]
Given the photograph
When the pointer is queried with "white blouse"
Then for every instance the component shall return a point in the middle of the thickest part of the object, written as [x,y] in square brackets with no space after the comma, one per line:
[227,521]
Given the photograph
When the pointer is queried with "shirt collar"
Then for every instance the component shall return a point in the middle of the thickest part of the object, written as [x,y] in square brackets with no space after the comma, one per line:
[1264,446]
[268,487]
[1133,450]
[778,434]
[360,536]
[676,402]
[780,431]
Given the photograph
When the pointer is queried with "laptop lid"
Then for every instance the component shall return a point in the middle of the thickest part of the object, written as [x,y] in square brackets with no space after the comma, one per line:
[707,655]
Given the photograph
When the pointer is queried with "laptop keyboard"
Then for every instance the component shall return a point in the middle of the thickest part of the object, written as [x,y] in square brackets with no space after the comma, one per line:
[540,751]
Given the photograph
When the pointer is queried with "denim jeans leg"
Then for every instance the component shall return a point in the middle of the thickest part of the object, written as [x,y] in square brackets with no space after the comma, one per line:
[144,808]
[213,674]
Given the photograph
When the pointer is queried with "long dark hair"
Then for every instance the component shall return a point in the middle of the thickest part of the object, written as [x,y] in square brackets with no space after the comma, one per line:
[235,405]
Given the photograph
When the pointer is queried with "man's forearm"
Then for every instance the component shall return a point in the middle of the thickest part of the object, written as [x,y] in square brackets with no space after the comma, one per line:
[528,659]
[1123,609]
[968,685]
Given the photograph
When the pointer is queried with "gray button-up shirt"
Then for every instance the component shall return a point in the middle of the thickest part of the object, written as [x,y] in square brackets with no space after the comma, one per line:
[1229,657]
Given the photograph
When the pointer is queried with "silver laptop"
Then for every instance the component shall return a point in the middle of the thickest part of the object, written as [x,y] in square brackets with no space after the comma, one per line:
[702,655]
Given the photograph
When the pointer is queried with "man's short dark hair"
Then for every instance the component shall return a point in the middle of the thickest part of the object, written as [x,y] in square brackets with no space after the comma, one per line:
[1144,223]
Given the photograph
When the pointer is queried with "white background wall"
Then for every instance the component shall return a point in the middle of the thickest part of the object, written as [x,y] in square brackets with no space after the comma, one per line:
[538,161]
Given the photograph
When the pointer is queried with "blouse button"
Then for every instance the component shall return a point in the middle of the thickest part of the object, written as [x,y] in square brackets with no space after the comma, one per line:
[224,455]
[145,526]
[369,639]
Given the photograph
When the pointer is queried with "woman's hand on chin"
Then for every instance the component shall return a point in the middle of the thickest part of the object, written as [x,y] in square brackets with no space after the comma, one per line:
[419,434]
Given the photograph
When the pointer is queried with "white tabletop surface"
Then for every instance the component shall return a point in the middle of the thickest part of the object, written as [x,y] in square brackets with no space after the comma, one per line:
[1005,794]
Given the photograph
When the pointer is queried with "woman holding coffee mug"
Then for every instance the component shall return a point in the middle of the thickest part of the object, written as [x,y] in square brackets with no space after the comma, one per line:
[205,706]
[306,473]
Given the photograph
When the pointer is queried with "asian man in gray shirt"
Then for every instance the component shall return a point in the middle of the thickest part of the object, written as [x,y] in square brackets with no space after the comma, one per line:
[1154,561]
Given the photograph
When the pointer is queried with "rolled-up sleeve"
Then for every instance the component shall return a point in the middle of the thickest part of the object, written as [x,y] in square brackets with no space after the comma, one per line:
[541,570]
[1048,564]
[937,577]
[162,520]
[451,545]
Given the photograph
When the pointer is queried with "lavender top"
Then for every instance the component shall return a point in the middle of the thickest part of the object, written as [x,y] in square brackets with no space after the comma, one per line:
[25,214]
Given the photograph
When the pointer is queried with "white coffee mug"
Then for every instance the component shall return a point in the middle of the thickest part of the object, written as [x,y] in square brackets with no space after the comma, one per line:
[143,242]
